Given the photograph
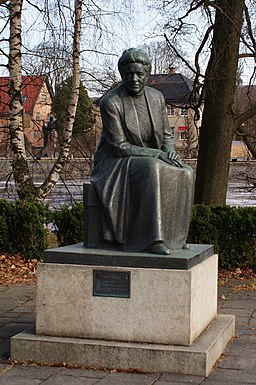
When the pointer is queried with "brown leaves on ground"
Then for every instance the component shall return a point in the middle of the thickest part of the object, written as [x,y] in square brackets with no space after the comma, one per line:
[17,270]
[239,278]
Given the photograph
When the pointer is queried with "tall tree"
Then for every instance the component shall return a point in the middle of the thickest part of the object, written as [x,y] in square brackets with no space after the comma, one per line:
[218,126]
[226,36]
[84,119]
[57,23]
[24,184]
[26,188]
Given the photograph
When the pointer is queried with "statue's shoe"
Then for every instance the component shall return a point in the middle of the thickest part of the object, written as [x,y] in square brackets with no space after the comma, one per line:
[159,248]
[185,246]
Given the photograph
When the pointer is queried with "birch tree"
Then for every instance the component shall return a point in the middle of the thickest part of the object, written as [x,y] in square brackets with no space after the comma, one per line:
[25,186]
[57,21]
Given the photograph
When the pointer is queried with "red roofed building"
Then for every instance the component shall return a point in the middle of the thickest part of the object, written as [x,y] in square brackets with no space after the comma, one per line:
[37,101]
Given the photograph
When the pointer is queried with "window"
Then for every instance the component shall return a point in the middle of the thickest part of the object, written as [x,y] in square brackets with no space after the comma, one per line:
[184,111]
[183,132]
[170,110]
[183,135]
[37,116]
[43,98]
[37,134]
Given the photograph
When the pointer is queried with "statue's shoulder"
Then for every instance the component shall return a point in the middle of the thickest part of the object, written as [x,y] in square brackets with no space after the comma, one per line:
[152,91]
[154,95]
[112,96]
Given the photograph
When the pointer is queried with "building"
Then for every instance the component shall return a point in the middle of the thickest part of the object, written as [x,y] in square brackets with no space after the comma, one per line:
[37,101]
[245,99]
[177,90]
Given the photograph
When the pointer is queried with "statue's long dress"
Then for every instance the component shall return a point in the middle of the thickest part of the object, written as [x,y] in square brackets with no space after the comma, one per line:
[144,199]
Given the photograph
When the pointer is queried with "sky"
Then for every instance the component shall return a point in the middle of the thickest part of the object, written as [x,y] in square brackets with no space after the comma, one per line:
[135,26]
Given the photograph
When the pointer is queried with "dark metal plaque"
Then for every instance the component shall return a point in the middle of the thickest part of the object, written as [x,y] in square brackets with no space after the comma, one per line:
[109,283]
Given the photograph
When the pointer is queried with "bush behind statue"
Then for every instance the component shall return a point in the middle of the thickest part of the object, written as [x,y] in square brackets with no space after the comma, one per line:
[69,224]
[232,231]
[23,229]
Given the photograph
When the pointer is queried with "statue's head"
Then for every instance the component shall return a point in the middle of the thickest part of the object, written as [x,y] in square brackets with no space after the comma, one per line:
[134,55]
[134,66]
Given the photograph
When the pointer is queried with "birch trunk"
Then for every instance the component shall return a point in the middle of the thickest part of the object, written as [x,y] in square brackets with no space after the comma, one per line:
[54,174]
[24,184]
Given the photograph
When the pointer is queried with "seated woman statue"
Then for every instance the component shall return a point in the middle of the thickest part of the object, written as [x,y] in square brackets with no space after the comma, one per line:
[146,192]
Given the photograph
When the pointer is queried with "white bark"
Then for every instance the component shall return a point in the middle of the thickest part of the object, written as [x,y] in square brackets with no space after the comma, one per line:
[16,107]
[21,174]
[23,179]
[67,132]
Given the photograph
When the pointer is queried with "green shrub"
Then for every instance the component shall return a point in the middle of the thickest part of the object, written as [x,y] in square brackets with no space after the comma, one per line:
[31,233]
[69,224]
[23,228]
[7,216]
[231,230]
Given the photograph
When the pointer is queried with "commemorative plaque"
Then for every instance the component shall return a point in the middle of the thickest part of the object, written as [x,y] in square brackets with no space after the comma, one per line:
[110,283]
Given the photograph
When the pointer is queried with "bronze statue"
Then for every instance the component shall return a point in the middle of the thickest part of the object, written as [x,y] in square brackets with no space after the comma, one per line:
[146,192]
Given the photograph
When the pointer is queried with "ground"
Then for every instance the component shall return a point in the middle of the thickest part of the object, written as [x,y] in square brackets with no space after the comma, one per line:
[17,270]
[239,278]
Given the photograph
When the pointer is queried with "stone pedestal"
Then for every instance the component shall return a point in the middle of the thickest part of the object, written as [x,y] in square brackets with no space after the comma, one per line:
[162,306]
[165,306]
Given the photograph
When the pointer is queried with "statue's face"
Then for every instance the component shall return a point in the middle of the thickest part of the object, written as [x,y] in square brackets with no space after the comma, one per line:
[134,78]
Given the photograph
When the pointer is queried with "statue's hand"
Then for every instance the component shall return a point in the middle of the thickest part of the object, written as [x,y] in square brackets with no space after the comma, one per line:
[172,154]
[172,160]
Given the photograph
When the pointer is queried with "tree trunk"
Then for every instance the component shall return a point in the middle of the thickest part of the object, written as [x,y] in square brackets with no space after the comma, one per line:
[218,123]
[54,174]
[21,174]
[24,183]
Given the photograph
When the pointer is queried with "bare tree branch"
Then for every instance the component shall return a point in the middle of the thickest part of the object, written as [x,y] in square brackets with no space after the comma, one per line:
[178,54]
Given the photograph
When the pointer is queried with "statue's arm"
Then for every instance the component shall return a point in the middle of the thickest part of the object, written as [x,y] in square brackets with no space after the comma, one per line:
[126,149]
[113,123]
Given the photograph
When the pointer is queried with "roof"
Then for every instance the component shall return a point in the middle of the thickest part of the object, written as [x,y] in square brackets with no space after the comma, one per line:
[31,87]
[176,88]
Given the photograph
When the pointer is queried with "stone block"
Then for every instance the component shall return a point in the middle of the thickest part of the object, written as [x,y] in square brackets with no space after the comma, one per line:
[166,306]
[197,359]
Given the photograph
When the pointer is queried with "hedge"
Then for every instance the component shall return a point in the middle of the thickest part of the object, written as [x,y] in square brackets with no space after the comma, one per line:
[232,231]
[69,224]
[23,229]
